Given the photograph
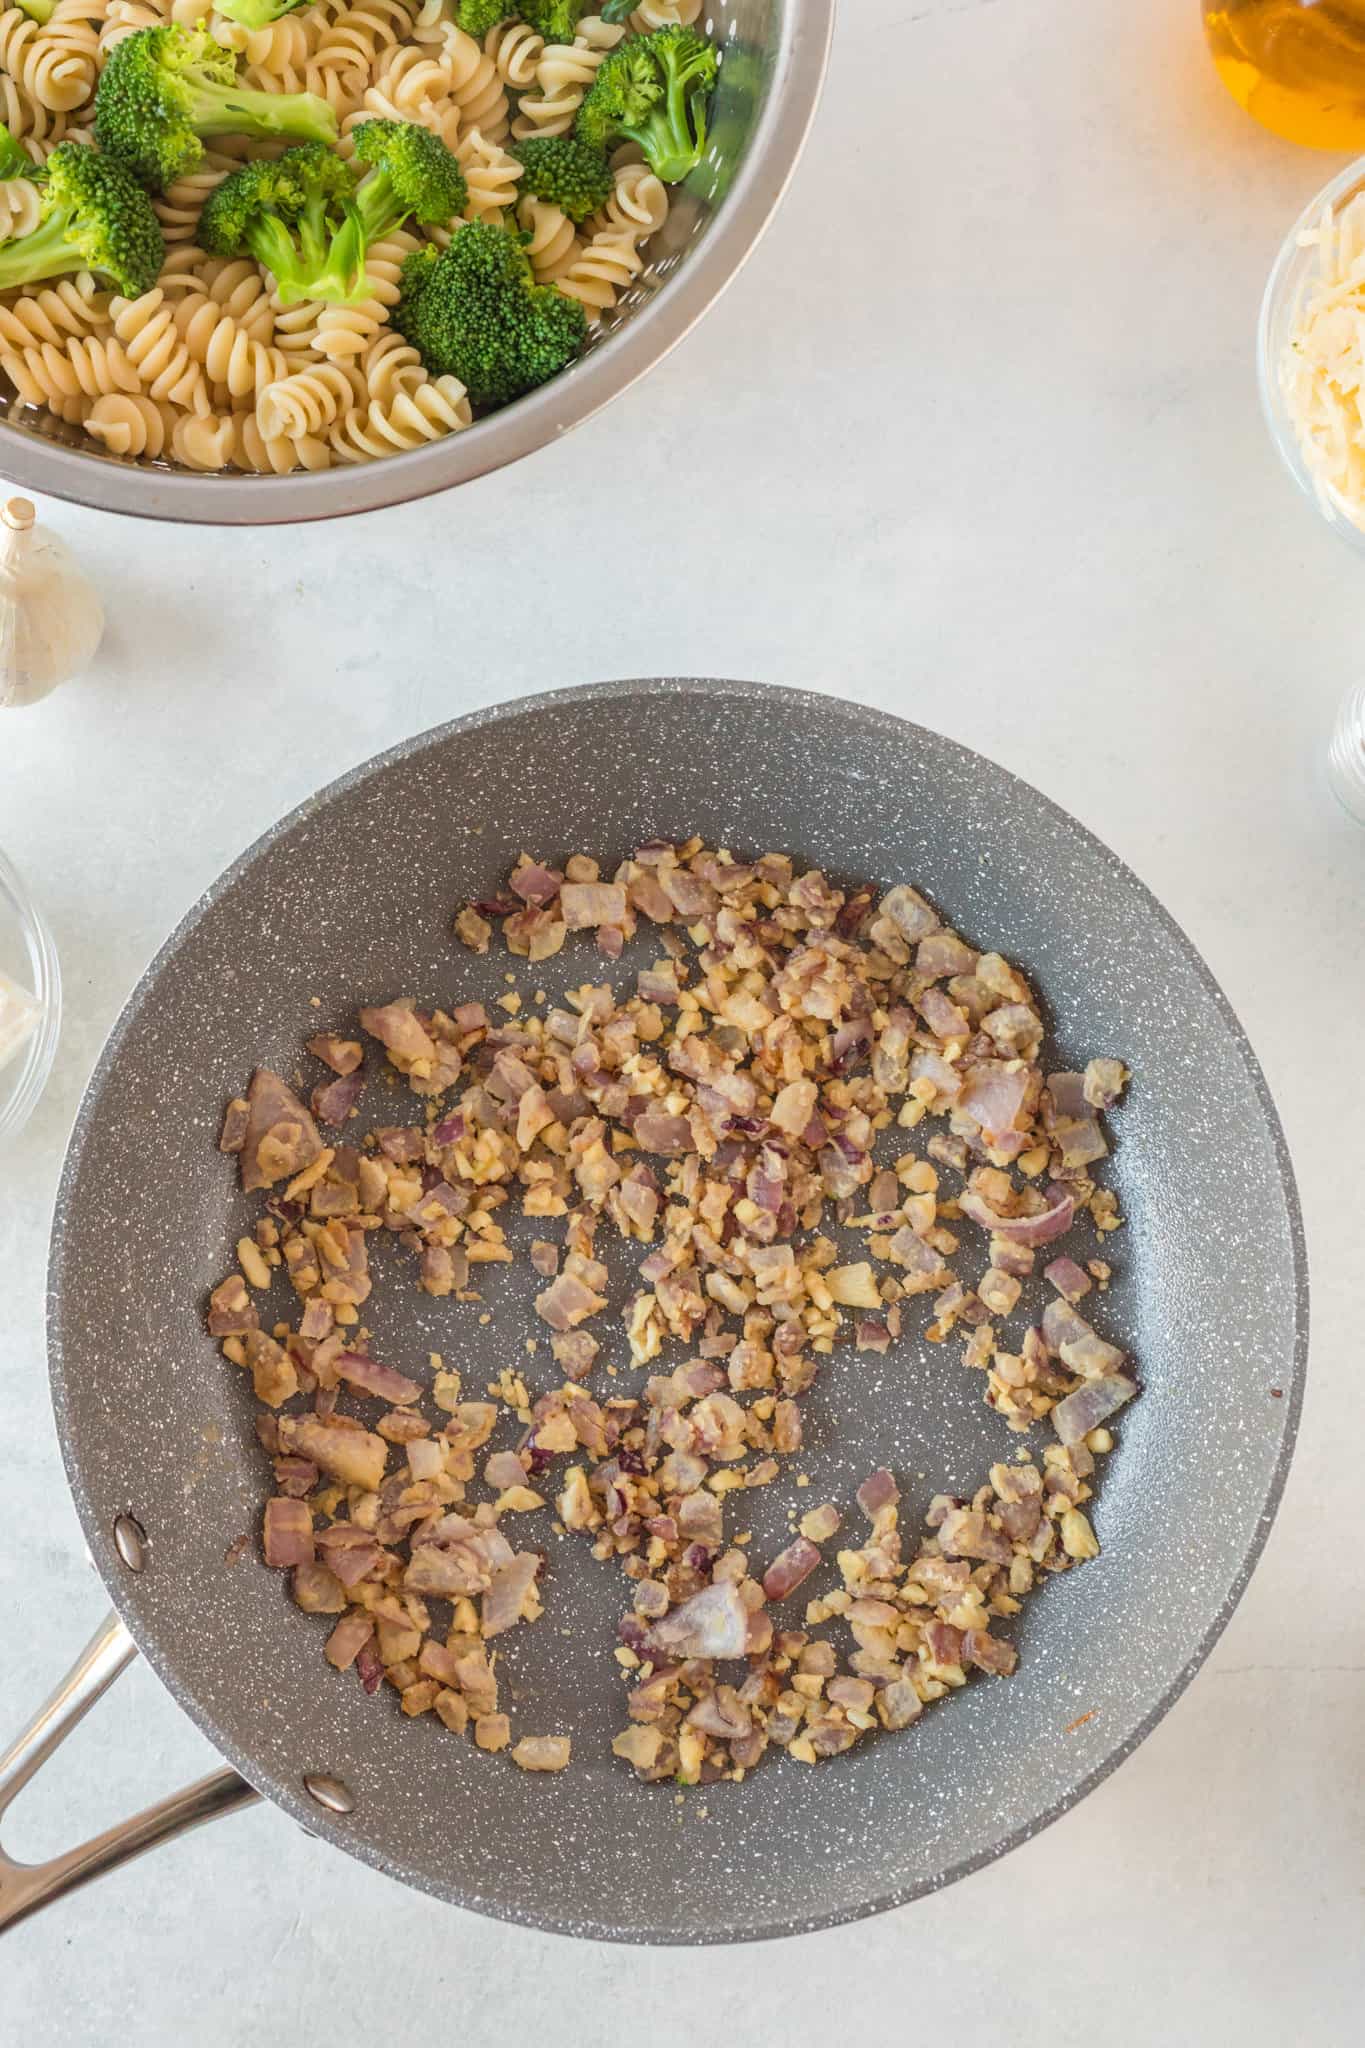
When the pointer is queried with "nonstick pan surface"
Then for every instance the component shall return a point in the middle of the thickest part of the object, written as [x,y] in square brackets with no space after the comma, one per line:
[349,900]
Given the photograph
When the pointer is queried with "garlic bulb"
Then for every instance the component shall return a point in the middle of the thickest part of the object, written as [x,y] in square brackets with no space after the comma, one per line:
[51,618]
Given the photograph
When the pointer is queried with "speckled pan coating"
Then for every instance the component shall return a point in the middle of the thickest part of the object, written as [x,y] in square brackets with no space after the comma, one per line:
[348,899]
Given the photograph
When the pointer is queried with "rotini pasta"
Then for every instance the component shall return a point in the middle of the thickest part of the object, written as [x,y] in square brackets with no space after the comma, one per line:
[430,409]
[639,202]
[18,208]
[204,440]
[390,366]
[492,175]
[128,423]
[228,353]
[208,370]
[157,350]
[56,313]
[553,244]
[664,14]
[514,50]
[308,401]
[87,367]
[602,270]
[53,64]
[563,75]
[475,86]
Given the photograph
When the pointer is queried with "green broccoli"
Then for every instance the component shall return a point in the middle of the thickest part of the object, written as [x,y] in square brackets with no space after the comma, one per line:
[556,20]
[14,162]
[653,90]
[254,14]
[94,217]
[474,311]
[565,172]
[412,176]
[614,11]
[37,10]
[298,217]
[476,17]
[164,87]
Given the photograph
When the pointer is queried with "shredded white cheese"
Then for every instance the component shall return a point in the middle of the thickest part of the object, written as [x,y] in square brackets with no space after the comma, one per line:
[18,1018]
[1322,371]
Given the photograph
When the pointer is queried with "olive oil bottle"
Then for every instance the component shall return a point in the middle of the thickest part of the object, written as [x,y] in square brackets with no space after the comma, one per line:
[1297,65]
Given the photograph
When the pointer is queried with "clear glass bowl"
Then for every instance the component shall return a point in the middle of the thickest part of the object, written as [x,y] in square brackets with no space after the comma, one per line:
[1289,278]
[28,956]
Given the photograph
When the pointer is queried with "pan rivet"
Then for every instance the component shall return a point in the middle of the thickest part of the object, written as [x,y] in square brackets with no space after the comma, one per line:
[331,1793]
[130,1541]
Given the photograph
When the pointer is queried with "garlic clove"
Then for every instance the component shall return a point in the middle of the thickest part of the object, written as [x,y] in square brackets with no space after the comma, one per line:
[51,618]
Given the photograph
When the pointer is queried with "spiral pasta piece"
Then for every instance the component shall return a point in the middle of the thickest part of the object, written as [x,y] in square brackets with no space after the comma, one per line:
[651,14]
[604,267]
[55,313]
[432,409]
[129,423]
[28,120]
[55,63]
[88,367]
[553,244]
[639,202]
[238,286]
[308,401]
[514,49]
[563,75]
[475,85]
[390,366]
[178,208]
[275,454]
[20,207]
[204,440]
[355,39]
[229,354]
[342,87]
[157,351]
[490,173]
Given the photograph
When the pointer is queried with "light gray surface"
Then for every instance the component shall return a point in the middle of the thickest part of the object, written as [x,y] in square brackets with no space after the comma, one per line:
[1035,509]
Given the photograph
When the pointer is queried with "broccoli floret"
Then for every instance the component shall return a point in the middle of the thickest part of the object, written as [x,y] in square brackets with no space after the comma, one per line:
[653,90]
[94,217]
[556,20]
[413,176]
[14,163]
[164,87]
[256,14]
[476,17]
[298,217]
[566,173]
[474,311]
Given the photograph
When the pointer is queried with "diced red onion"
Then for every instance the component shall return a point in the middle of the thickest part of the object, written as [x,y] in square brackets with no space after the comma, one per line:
[790,1569]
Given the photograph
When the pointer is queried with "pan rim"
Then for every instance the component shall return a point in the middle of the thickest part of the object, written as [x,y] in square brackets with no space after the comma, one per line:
[292,1800]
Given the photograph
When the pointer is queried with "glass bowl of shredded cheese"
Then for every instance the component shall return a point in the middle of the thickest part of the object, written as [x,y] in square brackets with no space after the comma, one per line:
[30,1001]
[1311,352]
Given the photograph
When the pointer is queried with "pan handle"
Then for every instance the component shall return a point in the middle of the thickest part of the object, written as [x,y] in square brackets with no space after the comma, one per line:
[25,1887]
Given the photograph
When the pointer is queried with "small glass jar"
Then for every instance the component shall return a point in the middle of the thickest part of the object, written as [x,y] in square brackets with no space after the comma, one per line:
[1298,66]
[28,956]
[1346,754]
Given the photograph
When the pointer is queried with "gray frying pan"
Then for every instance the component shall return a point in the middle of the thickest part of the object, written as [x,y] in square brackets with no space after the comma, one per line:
[349,900]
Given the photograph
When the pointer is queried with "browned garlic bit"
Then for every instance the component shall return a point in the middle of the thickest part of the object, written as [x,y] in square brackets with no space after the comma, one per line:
[754,1088]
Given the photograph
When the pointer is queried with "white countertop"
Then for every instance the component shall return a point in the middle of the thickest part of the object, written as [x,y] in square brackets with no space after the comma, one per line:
[974,438]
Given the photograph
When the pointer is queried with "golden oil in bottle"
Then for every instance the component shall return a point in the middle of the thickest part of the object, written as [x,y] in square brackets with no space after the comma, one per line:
[1297,65]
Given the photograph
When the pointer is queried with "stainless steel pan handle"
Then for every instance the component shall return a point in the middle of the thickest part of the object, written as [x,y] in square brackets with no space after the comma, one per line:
[25,1887]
